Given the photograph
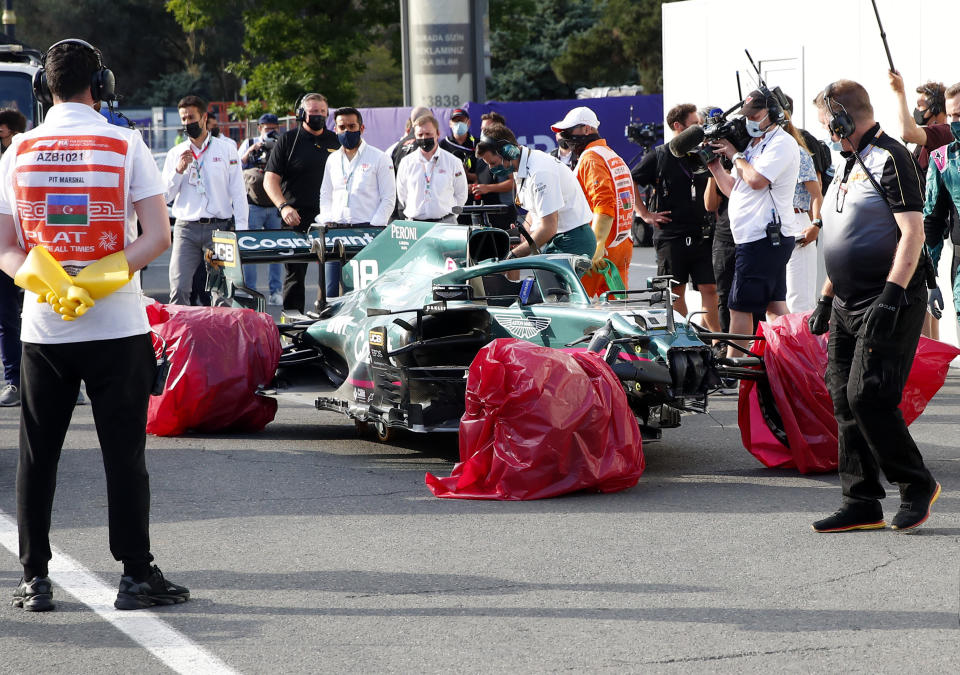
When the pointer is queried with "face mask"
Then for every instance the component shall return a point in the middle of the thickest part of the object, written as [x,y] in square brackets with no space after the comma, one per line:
[955,128]
[460,129]
[564,144]
[215,132]
[349,139]
[317,122]
[753,128]
[193,129]
[500,173]
[835,146]
[426,143]
[919,116]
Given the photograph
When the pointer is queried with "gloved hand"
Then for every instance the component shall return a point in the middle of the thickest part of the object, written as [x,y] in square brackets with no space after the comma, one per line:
[40,273]
[103,277]
[935,302]
[881,316]
[819,320]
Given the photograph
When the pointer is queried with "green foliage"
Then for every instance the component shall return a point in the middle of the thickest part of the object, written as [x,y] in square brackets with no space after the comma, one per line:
[525,37]
[139,39]
[290,47]
[623,47]
[381,83]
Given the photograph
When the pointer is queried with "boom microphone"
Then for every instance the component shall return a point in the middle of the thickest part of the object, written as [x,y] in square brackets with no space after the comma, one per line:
[686,140]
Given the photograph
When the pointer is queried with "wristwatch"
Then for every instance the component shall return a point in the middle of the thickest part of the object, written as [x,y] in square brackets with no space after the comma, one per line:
[738,155]
[818,223]
[280,208]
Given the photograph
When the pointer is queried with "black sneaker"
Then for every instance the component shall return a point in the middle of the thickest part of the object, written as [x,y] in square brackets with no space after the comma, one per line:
[914,514]
[35,595]
[154,591]
[850,518]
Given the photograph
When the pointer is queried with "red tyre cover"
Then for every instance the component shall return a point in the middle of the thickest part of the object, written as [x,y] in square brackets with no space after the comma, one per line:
[539,423]
[795,361]
[218,357]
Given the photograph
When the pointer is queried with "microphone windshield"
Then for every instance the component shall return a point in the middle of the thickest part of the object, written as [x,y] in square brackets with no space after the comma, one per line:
[686,140]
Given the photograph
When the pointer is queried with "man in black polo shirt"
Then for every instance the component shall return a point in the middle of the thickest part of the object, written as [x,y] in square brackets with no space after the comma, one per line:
[873,305]
[681,225]
[292,180]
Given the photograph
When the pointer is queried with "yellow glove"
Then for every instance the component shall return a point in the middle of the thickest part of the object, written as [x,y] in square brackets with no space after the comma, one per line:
[40,273]
[103,277]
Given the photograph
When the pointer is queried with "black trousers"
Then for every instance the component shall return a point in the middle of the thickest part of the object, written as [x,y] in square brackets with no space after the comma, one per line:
[295,274]
[118,374]
[866,380]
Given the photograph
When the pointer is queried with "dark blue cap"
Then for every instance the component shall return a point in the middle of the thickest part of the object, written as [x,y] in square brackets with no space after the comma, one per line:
[268,118]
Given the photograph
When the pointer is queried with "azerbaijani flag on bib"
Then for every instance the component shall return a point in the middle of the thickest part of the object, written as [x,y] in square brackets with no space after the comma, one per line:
[67,209]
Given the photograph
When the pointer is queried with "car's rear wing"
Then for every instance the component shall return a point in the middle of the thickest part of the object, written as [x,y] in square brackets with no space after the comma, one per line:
[232,250]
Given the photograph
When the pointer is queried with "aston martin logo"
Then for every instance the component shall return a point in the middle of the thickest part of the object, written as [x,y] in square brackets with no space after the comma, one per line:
[521,326]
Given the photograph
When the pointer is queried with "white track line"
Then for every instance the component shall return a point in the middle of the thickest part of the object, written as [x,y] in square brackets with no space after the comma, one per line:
[143,626]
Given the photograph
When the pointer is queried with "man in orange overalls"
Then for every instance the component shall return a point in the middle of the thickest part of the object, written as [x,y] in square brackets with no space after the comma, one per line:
[608,186]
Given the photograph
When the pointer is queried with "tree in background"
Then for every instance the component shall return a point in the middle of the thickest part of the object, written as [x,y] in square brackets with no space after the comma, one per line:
[139,39]
[291,47]
[525,36]
[624,46]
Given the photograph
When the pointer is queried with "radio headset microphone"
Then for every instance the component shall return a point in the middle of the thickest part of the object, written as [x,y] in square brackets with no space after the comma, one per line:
[686,141]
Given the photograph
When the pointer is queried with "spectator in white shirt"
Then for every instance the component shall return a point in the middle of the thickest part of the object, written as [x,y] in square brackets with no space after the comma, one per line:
[202,178]
[432,181]
[358,185]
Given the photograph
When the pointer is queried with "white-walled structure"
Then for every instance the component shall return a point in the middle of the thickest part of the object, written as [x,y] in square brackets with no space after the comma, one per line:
[804,46]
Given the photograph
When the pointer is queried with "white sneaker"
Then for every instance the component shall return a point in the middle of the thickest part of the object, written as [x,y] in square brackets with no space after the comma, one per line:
[9,396]
[275,299]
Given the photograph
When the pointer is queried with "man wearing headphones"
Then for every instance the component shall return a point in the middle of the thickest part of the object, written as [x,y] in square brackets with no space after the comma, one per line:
[558,214]
[292,180]
[760,210]
[873,304]
[71,193]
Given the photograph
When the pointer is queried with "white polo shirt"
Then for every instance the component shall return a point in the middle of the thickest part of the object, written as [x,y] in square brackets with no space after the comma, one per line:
[358,190]
[430,188]
[545,185]
[777,158]
[70,185]
[211,187]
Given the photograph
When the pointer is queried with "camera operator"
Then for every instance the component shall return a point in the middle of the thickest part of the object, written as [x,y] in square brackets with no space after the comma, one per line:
[873,304]
[682,227]
[254,153]
[761,211]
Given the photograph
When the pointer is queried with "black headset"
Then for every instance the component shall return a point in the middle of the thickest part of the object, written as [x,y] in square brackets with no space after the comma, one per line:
[775,102]
[102,83]
[841,124]
[502,147]
[300,112]
[936,101]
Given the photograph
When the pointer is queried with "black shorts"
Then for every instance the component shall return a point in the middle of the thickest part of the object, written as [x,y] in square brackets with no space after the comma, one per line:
[760,275]
[686,259]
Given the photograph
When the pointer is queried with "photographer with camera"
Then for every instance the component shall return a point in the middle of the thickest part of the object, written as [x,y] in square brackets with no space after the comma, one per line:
[683,228]
[762,222]
[873,304]
[254,153]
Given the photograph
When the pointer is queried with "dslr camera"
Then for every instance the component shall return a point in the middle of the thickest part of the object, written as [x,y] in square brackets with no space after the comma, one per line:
[267,145]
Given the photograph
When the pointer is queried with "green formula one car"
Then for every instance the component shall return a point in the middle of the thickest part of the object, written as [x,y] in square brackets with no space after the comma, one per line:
[421,299]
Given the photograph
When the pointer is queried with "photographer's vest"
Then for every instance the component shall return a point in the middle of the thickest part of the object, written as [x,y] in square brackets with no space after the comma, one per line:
[623,189]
